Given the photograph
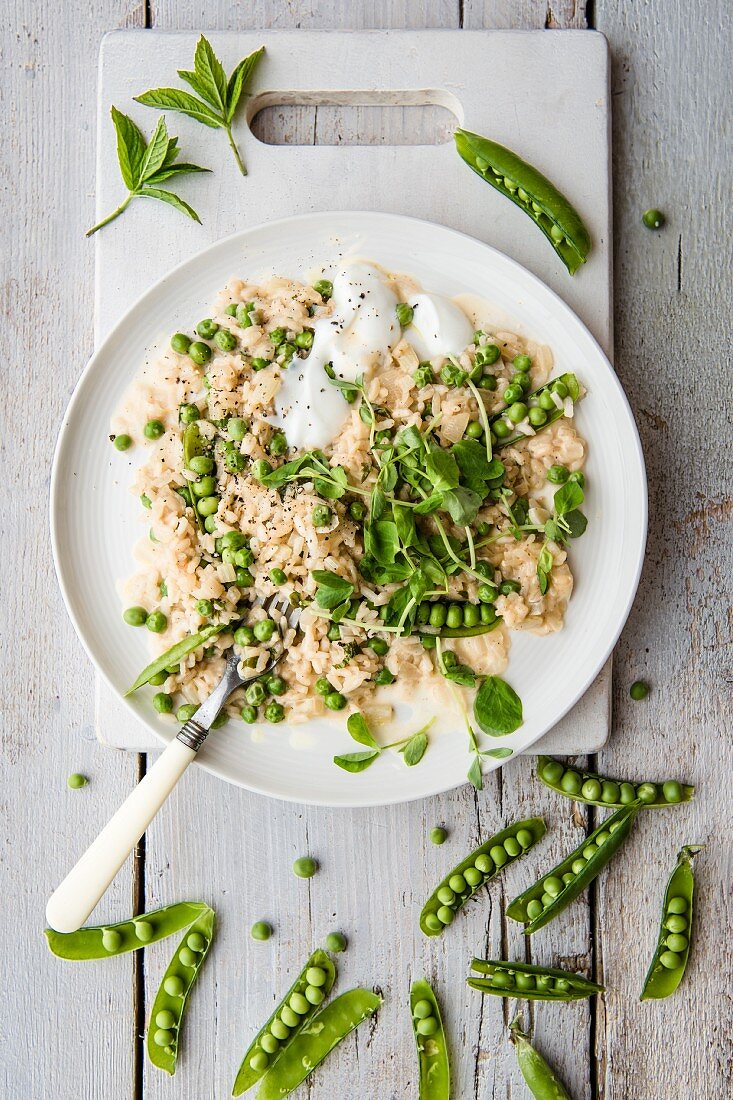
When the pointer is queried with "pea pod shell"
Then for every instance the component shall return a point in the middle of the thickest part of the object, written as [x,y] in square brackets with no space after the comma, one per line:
[688,792]
[555,209]
[175,655]
[87,942]
[580,987]
[316,1040]
[535,825]
[246,1076]
[542,1081]
[164,1001]
[432,1050]
[517,909]
[660,982]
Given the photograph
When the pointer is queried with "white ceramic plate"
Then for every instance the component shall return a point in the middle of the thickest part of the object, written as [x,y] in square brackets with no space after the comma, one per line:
[95,520]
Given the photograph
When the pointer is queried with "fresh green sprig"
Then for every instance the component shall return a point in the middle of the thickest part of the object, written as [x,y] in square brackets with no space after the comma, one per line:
[145,164]
[219,96]
[413,748]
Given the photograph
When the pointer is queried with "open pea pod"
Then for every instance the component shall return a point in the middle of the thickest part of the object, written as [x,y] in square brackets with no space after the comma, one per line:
[316,1040]
[432,1049]
[476,870]
[530,191]
[554,414]
[166,1016]
[673,945]
[194,444]
[175,655]
[599,790]
[553,893]
[529,982]
[299,1004]
[101,941]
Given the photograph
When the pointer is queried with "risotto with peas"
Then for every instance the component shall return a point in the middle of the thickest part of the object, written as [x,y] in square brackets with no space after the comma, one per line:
[406,475]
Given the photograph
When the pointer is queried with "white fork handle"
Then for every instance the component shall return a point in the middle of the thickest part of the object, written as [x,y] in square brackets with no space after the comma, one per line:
[72,902]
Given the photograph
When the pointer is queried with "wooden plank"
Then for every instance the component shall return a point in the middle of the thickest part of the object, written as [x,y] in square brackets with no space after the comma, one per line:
[672,85]
[68,1029]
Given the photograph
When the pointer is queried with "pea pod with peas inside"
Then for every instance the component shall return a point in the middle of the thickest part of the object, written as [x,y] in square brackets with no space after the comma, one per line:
[599,790]
[195,446]
[441,619]
[175,655]
[166,1016]
[101,941]
[297,1007]
[432,1049]
[529,982]
[550,398]
[673,945]
[316,1040]
[530,191]
[552,894]
[476,870]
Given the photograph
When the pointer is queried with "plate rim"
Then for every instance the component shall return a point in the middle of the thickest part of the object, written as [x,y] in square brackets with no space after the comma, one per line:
[279,224]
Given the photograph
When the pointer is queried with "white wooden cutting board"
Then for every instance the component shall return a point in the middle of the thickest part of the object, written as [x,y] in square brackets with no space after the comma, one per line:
[543,93]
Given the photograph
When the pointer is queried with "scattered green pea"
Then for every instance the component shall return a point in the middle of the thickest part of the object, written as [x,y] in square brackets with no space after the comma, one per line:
[135,616]
[653,219]
[639,690]
[156,622]
[336,942]
[305,867]
[76,780]
[261,930]
[122,442]
[438,835]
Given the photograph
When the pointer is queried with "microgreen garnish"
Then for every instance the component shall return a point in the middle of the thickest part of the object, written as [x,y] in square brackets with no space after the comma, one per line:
[497,708]
[219,97]
[413,748]
[145,164]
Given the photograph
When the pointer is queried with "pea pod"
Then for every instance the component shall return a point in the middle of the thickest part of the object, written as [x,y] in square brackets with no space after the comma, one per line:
[530,191]
[316,1041]
[569,381]
[673,946]
[529,982]
[542,1081]
[462,631]
[294,1011]
[166,1016]
[599,790]
[475,870]
[101,941]
[432,1050]
[194,444]
[175,655]
[553,893]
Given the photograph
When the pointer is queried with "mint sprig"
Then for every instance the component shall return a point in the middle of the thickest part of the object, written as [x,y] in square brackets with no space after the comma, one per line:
[145,164]
[219,96]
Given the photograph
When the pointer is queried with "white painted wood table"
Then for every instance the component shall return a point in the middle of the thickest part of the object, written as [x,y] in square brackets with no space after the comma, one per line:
[72,1031]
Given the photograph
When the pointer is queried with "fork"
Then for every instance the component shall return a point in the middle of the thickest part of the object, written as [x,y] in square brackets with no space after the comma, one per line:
[75,898]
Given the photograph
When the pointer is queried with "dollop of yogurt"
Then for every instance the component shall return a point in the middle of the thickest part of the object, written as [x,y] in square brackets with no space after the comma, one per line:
[354,339]
[439,326]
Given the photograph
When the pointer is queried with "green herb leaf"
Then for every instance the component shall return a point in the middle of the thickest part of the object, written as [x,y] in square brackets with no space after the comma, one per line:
[498,754]
[414,750]
[544,568]
[155,153]
[442,469]
[497,708]
[239,80]
[381,541]
[576,523]
[332,589]
[359,730]
[175,99]
[356,761]
[173,200]
[568,497]
[210,74]
[475,775]
[131,147]
[462,505]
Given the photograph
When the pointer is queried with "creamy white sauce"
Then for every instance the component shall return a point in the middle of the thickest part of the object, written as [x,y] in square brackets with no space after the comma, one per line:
[439,326]
[354,339]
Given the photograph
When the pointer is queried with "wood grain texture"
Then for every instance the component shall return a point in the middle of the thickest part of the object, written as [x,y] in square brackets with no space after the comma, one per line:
[63,1028]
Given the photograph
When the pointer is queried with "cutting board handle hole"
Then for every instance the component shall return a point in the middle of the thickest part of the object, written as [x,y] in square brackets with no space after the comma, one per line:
[419,117]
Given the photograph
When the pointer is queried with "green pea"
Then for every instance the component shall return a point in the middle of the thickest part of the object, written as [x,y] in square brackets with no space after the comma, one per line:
[269,1043]
[276,685]
[534,908]
[220,720]
[187,957]
[438,614]
[196,942]
[163,1037]
[567,878]
[676,942]
[207,328]
[521,362]
[610,791]
[243,558]
[205,608]
[225,340]
[204,487]
[428,1026]
[200,353]
[260,930]
[422,1010]
[639,690]
[498,855]
[646,792]
[537,417]
[259,1061]
[156,622]
[553,885]
[165,1020]
[180,343]
[244,635]
[672,791]
[322,515]
[445,914]
[523,381]
[288,1017]
[305,867]
[324,287]
[546,402]
[384,677]
[314,995]
[471,614]
[517,412]
[676,923]
[577,866]
[457,883]
[264,630]
[454,615]
[487,594]
[525,981]
[552,772]
[571,782]
[560,389]
[670,960]
[76,780]
[278,445]
[547,899]
[507,587]
[299,1004]
[336,941]
[472,876]
[427,641]
[255,693]
[202,464]
[322,686]
[207,506]
[186,711]
[335,701]
[433,923]
[501,980]
[163,703]
[590,850]
[474,430]
[556,233]
[111,939]
[174,986]
[512,393]
[280,1030]
[185,492]
[591,790]
[333,633]
[562,985]
[445,895]
[653,219]
[601,838]
[501,429]
[404,314]
[578,478]
[627,794]
[249,714]
[512,847]
[524,839]
[278,336]
[677,905]
[304,339]
[483,863]
[558,474]
[274,712]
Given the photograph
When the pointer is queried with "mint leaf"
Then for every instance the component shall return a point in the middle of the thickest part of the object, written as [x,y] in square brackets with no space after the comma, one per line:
[174,99]
[239,80]
[172,200]
[210,75]
[130,148]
